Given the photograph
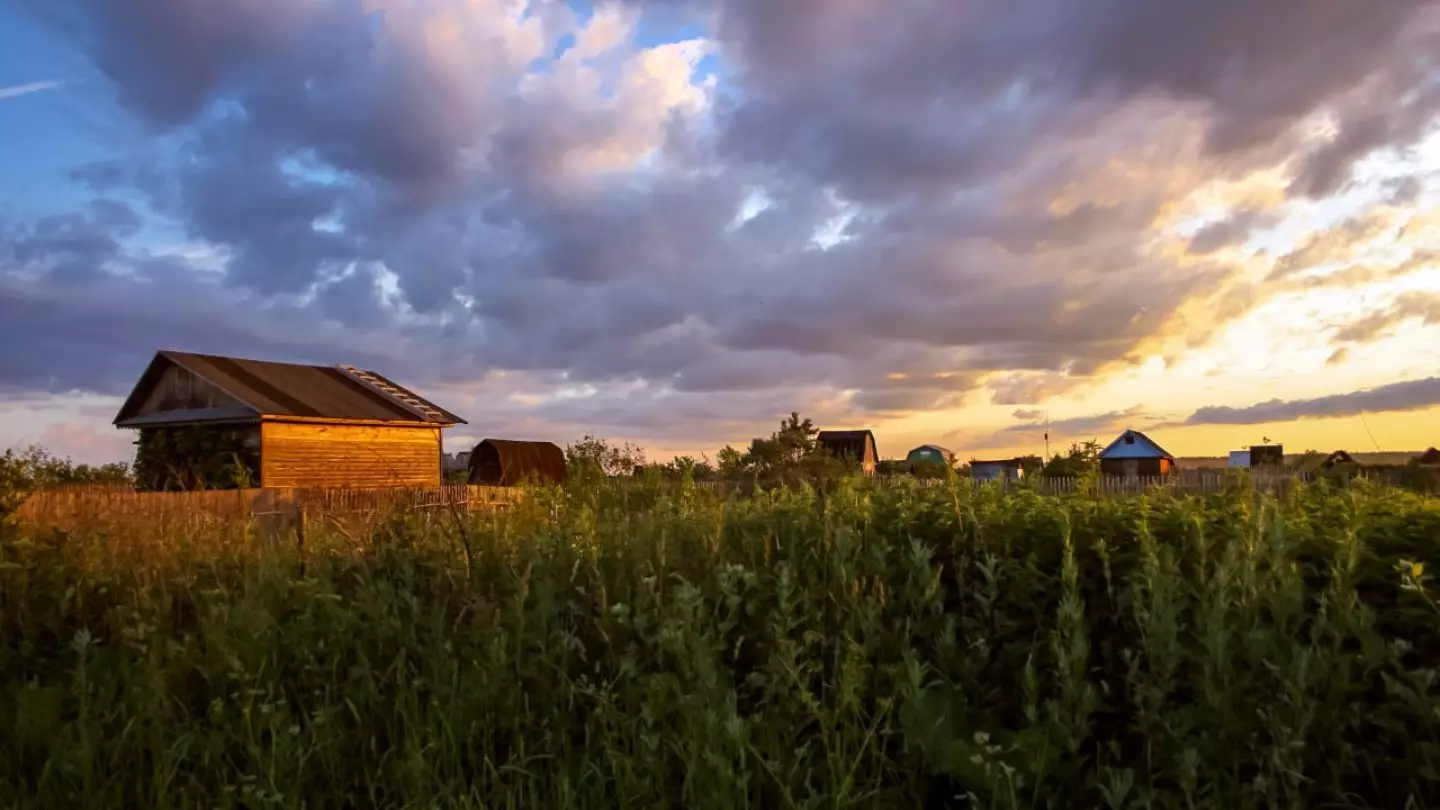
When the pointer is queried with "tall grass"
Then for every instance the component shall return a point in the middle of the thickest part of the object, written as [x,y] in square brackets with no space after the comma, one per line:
[658,648]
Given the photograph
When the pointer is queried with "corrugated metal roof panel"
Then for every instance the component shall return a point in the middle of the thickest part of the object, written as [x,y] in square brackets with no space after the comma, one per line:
[292,389]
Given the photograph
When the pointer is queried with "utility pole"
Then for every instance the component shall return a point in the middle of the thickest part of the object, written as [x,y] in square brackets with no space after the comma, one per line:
[1047,435]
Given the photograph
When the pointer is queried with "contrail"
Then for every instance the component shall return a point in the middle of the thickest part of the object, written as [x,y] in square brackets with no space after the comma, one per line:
[32,87]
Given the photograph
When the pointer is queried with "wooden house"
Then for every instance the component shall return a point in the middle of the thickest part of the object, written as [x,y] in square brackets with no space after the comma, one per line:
[1003,469]
[206,421]
[1135,455]
[857,446]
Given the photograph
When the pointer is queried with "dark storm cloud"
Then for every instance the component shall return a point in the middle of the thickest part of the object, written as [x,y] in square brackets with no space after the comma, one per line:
[386,183]
[1411,395]
[849,91]
[98,338]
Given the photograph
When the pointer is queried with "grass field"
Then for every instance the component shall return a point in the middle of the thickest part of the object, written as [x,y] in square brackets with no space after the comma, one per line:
[666,648]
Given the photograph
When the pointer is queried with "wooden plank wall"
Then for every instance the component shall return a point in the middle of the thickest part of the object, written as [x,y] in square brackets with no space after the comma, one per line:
[336,456]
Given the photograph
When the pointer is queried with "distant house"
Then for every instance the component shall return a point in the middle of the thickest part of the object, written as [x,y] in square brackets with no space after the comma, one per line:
[931,453]
[1267,455]
[854,445]
[1239,460]
[208,421]
[457,462]
[1429,458]
[1134,455]
[1006,469]
[1339,458]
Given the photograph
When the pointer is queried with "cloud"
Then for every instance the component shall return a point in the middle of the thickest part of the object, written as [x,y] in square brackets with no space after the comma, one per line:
[15,90]
[1083,425]
[1027,414]
[871,209]
[1028,388]
[1231,230]
[87,443]
[1410,395]
[1421,305]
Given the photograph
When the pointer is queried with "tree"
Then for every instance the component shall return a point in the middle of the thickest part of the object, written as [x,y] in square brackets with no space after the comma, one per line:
[791,454]
[592,457]
[1083,458]
[731,463]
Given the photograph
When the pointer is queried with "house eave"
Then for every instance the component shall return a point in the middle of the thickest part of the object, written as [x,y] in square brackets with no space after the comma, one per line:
[208,416]
[326,420]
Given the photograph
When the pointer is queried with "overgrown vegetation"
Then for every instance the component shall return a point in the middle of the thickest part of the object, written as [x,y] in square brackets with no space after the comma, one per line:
[660,647]
[197,457]
[34,468]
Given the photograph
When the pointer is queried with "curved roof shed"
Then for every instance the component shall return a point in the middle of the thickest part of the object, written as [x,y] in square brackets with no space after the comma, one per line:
[505,463]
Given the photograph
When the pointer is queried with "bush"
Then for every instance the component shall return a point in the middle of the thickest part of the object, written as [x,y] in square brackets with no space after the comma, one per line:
[601,647]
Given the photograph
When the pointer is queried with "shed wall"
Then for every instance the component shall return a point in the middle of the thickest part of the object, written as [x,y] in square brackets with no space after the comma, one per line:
[340,455]
[1141,467]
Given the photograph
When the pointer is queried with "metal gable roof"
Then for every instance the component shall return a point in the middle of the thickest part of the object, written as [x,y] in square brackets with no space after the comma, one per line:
[287,389]
[1142,446]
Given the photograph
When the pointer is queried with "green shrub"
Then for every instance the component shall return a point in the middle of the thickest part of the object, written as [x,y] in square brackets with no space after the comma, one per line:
[661,647]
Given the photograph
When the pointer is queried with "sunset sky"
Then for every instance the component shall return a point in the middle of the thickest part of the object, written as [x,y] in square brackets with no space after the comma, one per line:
[673,222]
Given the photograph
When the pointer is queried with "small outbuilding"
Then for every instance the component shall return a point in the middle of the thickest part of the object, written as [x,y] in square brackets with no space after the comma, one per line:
[206,421]
[1267,456]
[1135,455]
[1429,458]
[853,445]
[930,453]
[1003,469]
[506,463]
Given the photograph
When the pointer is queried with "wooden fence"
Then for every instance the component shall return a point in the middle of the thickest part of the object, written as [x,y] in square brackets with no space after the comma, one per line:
[71,507]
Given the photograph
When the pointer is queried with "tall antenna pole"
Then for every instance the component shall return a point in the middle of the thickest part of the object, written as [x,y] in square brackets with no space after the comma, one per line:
[1368,433]
[1047,434]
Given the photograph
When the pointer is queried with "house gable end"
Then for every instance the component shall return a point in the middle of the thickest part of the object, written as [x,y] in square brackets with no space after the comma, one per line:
[167,387]
[1139,446]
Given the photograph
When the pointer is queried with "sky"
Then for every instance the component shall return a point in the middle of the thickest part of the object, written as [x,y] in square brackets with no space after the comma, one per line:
[673,222]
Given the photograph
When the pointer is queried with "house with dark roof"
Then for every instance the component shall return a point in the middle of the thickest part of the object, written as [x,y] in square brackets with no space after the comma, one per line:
[932,453]
[1135,455]
[1429,458]
[217,422]
[857,446]
[1339,458]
